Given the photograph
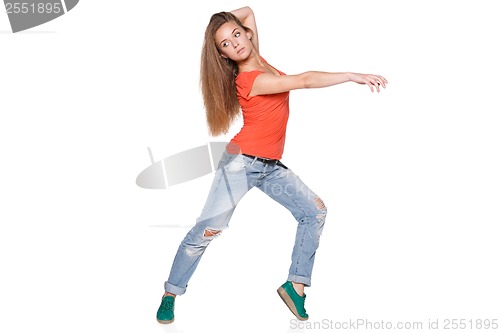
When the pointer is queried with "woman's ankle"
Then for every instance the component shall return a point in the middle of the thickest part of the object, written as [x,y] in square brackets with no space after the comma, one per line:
[169,294]
[299,288]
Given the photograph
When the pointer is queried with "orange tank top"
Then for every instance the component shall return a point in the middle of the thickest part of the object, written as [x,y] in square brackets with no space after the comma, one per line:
[264,120]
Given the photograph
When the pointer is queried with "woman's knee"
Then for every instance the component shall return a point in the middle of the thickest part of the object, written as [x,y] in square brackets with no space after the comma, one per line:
[320,217]
[198,239]
[320,208]
[210,233]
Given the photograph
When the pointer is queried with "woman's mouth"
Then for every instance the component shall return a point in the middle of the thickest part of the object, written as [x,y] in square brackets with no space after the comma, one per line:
[240,50]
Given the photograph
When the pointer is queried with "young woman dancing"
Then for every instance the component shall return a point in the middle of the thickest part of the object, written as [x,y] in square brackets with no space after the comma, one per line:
[235,78]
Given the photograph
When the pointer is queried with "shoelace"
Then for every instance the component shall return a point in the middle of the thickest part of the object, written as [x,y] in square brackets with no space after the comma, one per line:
[167,305]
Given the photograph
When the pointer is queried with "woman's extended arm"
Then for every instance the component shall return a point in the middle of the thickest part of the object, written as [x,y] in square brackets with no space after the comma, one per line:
[247,18]
[267,83]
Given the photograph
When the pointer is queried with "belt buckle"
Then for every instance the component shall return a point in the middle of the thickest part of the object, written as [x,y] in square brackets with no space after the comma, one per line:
[268,160]
[271,161]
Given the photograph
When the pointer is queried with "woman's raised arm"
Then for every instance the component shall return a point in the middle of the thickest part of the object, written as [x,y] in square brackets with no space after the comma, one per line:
[267,83]
[247,18]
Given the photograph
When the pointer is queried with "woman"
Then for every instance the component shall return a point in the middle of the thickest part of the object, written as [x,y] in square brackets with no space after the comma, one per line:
[234,76]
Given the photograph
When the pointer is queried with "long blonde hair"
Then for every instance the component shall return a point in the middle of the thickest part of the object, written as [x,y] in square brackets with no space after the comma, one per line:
[217,78]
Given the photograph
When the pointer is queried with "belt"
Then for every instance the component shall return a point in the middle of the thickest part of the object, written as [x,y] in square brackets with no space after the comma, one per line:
[266,160]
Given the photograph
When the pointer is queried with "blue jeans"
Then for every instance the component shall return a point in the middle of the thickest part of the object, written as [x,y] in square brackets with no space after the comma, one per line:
[235,176]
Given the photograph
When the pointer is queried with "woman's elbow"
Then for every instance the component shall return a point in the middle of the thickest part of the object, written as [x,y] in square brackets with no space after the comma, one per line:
[305,81]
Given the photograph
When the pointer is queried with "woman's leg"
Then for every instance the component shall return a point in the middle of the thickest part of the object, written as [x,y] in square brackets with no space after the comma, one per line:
[229,186]
[310,212]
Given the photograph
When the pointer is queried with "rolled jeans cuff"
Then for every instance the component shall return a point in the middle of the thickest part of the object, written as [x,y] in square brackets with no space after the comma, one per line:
[170,288]
[300,279]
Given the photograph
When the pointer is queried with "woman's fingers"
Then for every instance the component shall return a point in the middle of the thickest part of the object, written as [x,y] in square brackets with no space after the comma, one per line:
[376,81]
[372,83]
[371,80]
[382,81]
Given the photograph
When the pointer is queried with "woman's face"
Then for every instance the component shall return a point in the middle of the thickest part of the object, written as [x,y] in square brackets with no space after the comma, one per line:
[233,42]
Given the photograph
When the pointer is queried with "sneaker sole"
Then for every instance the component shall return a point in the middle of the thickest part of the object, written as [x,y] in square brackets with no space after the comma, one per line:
[165,321]
[288,301]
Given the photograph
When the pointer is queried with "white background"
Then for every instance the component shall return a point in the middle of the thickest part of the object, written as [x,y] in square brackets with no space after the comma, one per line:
[410,175]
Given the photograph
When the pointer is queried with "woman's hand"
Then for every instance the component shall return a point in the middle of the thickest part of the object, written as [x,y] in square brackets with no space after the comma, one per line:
[247,18]
[373,81]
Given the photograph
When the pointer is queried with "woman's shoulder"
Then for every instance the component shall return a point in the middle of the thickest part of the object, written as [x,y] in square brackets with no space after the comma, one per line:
[252,72]
[246,79]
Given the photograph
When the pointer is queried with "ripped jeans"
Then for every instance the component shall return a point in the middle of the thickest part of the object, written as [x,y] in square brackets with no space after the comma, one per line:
[235,176]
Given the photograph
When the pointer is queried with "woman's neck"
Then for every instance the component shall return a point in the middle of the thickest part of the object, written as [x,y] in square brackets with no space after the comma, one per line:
[253,62]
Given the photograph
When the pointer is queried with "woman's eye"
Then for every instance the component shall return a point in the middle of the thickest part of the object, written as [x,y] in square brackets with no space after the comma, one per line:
[237,34]
[226,44]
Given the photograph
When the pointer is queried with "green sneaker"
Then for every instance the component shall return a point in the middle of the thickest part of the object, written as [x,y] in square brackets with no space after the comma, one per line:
[294,302]
[165,314]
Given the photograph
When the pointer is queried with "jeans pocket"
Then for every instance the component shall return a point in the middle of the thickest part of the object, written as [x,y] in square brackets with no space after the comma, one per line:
[235,166]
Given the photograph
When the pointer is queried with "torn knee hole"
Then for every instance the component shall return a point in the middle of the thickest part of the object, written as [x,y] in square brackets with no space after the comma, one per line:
[319,203]
[211,232]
